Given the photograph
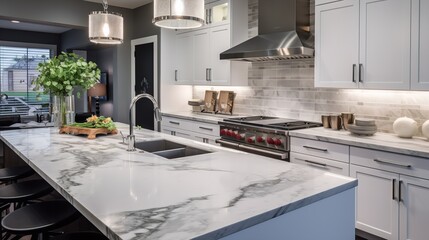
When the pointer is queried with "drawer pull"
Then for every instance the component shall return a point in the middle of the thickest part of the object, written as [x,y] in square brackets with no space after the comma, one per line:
[315,148]
[400,191]
[393,164]
[316,163]
[175,123]
[208,129]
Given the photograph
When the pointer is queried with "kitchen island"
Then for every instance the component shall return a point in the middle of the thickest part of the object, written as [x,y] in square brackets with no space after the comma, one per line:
[224,194]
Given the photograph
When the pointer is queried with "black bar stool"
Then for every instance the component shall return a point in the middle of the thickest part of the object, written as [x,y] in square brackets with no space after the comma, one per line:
[81,236]
[12,174]
[22,192]
[39,218]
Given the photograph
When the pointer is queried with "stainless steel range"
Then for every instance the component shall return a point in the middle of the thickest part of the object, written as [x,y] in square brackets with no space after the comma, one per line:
[268,136]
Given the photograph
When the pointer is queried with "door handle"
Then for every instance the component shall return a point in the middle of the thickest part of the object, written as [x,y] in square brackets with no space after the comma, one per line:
[315,148]
[207,16]
[400,191]
[210,15]
[393,188]
[393,164]
[175,75]
[208,129]
[207,74]
[354,73]
[360,73]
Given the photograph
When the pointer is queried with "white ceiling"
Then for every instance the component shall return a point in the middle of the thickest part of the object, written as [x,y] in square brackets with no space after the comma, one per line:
[131,4]
[32,27]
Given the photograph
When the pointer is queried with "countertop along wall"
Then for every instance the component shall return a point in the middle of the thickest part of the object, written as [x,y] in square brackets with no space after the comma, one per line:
[286,89]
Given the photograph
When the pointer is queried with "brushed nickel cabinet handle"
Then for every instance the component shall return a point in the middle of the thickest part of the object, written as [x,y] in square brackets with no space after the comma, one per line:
[207,74]
[400,191]
[360,73]
[175,123]
[393,164]
[354,73]
[175,75]
[316,163]
[315,148]
[208,129]
[393,188]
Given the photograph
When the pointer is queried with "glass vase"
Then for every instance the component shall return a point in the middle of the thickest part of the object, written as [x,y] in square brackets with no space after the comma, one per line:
[63,110]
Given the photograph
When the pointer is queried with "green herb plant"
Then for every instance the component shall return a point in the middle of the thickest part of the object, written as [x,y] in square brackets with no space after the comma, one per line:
[97,122]
[61,74]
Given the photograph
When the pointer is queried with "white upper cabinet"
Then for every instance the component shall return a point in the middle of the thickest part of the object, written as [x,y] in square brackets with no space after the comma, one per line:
[420,46]
[183,72]
[385,50]
[388,37]
[217,12]
[337,44]
[201,56]
[198,51]
[219,71]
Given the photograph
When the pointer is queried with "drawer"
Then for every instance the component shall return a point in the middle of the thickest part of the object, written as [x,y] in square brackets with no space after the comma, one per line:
[205,139]
[206,129]
[176,123]
[320,2]
[393,162]
[176,132]
[321,149]
[320,163]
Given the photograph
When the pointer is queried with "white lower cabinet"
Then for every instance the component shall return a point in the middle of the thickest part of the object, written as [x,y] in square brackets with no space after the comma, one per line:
[414,211]
[326,156]
[194,130]
[376,206]
[390,203]
[320,163]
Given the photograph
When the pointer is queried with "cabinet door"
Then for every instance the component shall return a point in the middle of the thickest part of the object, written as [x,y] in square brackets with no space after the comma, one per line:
[414,209]
[201,56]
[220,41]
[376,205]
[385,44]
[337,44]
[184,58]
[420,46]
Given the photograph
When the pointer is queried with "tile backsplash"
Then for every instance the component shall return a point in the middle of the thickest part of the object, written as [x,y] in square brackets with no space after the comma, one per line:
[285,89]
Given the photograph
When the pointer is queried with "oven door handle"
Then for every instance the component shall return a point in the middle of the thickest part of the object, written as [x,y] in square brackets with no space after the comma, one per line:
[272,153]
[220,141]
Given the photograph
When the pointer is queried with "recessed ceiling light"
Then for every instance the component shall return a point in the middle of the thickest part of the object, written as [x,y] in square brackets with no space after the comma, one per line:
[15,21]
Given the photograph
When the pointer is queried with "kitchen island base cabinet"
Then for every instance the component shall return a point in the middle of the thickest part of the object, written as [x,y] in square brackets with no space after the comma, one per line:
[331,218]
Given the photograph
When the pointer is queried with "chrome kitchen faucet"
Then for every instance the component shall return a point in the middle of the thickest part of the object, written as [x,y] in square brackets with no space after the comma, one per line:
[131,138]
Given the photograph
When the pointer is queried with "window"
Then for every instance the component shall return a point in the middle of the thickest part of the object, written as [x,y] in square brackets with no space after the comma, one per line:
[18,70]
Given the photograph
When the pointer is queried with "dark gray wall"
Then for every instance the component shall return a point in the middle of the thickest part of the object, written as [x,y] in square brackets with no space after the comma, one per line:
[30,37]
[103,59]
[143,27]
[74,14]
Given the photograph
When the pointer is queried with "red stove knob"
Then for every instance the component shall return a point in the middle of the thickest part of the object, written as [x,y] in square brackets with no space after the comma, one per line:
[234,134]
[223,132]
[260,139]
[228,132]
[251,139]
[278,142]
[239,136]
[270,140]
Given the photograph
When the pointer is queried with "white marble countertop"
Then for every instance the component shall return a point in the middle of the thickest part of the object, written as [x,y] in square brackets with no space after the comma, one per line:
[201,117]
[135,195]
[416,146]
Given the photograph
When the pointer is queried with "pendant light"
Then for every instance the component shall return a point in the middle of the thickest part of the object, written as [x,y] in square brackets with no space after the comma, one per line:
[178,14]
[105,27]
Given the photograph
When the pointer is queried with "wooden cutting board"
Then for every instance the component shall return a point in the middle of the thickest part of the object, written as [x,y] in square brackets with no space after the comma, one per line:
[91,132]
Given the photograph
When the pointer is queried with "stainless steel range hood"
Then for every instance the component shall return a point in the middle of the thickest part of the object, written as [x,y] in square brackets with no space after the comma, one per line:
[284,33]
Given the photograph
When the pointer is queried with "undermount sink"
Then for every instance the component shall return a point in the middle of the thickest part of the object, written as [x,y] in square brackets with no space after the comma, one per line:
[157,145]
[168,149]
